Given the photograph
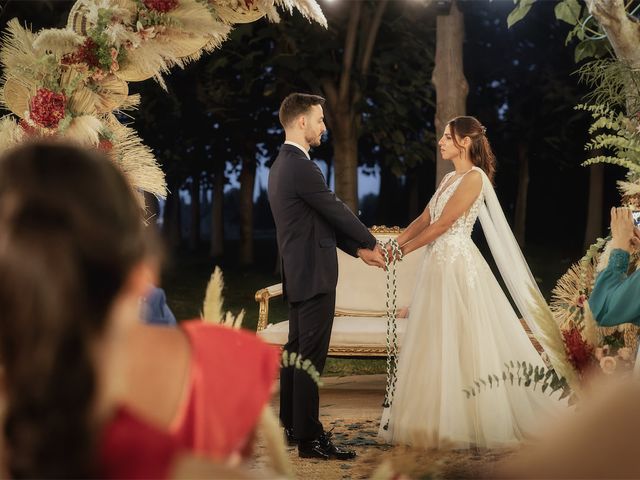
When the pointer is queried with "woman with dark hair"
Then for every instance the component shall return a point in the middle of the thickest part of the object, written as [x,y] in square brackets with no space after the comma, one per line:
[461,326]
[75,260]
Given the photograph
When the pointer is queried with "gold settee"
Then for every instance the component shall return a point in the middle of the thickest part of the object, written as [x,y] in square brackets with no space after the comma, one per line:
[359,327]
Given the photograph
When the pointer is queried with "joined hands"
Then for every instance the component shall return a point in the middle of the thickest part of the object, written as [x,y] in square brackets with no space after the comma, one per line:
[374,257]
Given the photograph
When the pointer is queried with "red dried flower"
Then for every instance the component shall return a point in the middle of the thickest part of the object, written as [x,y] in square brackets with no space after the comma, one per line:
[47,108]
[105,145]
[580,353]
[28,129]
[162,6]
[86,53]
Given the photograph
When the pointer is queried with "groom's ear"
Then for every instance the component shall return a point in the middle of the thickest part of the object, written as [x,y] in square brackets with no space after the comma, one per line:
[302,121]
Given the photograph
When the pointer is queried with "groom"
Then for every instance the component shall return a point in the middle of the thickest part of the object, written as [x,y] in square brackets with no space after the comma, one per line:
[310,223]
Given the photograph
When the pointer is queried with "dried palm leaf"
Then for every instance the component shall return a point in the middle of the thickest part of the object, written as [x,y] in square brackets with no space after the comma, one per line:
[83,102]
[590,331]
[130,103]
[15,96]
[104,97]
[17,53]
[136,159]
[566,301]
[629,189]
[308,8]
[10,133]
[85,130]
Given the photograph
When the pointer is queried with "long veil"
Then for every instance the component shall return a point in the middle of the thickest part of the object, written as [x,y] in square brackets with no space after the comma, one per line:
[520,282]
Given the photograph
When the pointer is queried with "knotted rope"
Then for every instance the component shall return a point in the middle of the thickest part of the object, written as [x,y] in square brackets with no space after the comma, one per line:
[390,260]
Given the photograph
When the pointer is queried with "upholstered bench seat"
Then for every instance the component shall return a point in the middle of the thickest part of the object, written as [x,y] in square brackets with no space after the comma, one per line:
[360,322]
[361,332]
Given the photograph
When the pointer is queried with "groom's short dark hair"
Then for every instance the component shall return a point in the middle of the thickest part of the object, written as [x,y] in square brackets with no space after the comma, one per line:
[297,104]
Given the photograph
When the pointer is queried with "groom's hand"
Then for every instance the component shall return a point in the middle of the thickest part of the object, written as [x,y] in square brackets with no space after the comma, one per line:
[372,257]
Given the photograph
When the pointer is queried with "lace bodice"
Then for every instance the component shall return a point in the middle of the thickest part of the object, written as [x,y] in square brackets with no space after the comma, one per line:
[455,242]
[463,225]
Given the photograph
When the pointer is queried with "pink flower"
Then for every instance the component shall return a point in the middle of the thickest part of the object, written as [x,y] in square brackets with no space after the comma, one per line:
[624,353]
[608,365]
[98,75]
[115,66]
[114,53]
[581,300]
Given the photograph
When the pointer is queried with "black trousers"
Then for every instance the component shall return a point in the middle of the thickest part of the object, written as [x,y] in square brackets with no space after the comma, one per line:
[310,323]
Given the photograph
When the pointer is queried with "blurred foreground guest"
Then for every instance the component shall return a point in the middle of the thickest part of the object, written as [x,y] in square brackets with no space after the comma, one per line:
[600,441]
[615,298]
[75,258]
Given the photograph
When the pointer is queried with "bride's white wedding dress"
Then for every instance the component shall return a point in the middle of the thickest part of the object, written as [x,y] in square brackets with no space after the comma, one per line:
[461,328]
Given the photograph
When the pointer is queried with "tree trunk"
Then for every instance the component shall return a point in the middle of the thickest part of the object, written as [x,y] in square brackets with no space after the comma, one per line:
[171,224]
[217,213]
[247,183]
[448,78]
[594,211]
[345,152]
[623,34]
[344,95]
[521,197]
[194,230]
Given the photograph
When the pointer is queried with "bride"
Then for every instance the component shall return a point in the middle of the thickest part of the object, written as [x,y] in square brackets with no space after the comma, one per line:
[461,326]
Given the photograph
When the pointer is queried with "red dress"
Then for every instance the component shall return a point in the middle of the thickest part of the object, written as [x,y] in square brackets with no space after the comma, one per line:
[132,448]
[231,377]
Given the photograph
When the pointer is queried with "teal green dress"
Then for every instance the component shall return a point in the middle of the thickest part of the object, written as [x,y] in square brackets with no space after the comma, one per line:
[616,296]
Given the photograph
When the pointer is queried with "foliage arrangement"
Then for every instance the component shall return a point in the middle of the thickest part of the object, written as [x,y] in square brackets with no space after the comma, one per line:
[73,82]
[614,105]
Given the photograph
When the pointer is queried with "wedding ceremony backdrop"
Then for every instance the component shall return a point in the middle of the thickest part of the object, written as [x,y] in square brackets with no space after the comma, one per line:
[183,96]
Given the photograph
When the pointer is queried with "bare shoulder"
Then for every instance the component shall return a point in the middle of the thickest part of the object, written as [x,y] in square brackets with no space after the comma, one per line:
[471,183]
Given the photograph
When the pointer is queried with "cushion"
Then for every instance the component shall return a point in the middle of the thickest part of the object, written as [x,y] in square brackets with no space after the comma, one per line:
[362,288]
[347,331]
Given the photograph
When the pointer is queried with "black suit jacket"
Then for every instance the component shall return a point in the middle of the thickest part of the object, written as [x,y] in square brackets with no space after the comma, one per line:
[310,223]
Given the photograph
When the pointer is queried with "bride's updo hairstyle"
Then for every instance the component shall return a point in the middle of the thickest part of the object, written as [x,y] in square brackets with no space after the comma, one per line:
[481,154]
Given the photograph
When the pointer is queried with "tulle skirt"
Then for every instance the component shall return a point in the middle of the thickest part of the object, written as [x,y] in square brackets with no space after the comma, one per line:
[462,329]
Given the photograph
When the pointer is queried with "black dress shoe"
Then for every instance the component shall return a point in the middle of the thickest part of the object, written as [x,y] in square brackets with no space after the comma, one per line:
[322,447]
[336,452]
[312,449]
[291,440]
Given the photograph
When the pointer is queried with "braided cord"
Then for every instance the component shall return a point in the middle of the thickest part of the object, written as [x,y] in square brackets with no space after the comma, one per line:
[392,309]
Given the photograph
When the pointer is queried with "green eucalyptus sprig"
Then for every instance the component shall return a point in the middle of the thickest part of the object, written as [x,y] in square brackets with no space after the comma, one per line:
[523,374]
[294,360]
